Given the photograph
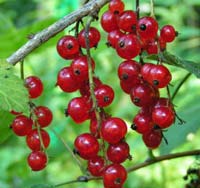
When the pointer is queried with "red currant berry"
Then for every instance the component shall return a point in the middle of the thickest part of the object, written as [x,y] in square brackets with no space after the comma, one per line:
[34,85]
[22,125]
[68,47]
[80,68]
[143,123]
[159,76]
[114,176]
[152,139]
[127,21]
[152,47]
[113,130]
[104,95]
[94,128]
[37,160]
[128,46]
[116,6]
[127,86]
[67,81]
[96,166]
[86,145]
[147,28]
[145,70]
[109,21]
[13,112]
[144,95]
[94,37]
[129,70]
[33,139]
[168,33]
[118,153]
[163,116]
[78,109]
[44,115]
[113,37]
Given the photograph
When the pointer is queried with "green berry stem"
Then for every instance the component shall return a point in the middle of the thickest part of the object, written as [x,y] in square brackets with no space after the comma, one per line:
[40,138]
[22,69]
[152,14]
[185,78]
[151,154]
[70,151]
[138,9]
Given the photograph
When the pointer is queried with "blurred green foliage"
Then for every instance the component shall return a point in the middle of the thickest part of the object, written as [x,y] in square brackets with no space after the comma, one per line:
[18,19]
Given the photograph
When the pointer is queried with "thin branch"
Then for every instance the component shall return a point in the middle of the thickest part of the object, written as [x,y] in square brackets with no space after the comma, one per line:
[179,85]
[44,35]
[138,9]
[163,158]
[136,167]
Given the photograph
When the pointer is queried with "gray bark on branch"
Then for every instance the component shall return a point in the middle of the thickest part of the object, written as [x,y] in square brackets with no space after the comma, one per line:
[44,35]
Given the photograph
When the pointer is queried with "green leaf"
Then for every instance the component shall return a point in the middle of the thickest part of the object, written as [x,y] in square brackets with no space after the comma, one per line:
[13,94]
[6,119]
[170,59]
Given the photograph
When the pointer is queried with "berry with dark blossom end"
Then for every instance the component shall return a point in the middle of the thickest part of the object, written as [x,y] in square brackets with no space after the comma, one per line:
[68,47]
[34,85]
[127,21]
[114,176]
[109,21]
[153,138]
[67,81]
[113,37]
[93,35]
[22,125]
[104,95]
[119,152]
[37,160]
[147,28]
[80,68]
[78,109]
[128,46]
[33,139]
[96,166]
[127,86]
[116,6]
[87,146]
[113,130]
[168,33]
[44,115]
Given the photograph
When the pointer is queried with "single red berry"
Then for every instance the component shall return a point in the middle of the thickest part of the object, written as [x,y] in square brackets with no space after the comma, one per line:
[80,68]
[33,139]
[159,76]
[22,125]
[128,46]
[78,109]
[34,85]
[93,35]
[145,70]
[129,70]
[109,21]
[127,86]
[86,145]
[168,33]
[152,47]
[113,130]
[143,123]
[114,176]
[96,166]
[147,27]
[104,95]
[119,152]
[67,81]
[68,47]
[44,115]
[163,116]
[113,37]
[153,138]
[144,95]
[37,160]
[127,21]
[116,6]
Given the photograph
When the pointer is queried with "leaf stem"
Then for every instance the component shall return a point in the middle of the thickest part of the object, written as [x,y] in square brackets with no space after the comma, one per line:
[22,69]
[180,85]
[152,14]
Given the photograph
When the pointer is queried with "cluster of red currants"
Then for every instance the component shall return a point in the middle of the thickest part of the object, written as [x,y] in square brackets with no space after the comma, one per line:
[130,36]
[37,138]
